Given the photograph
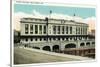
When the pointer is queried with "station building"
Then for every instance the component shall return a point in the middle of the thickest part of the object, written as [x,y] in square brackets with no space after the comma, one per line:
[55,34]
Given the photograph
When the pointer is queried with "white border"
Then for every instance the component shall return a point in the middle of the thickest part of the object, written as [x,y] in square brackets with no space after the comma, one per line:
[50,3]
[54,4]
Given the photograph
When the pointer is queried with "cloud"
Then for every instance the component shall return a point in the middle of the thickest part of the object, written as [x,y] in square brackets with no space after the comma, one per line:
[16,18]
[57,16]
[91,21]
[90,18]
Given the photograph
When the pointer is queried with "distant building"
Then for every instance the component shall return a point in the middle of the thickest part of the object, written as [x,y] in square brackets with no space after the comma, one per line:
[54,34]
[16,36]
[93,32]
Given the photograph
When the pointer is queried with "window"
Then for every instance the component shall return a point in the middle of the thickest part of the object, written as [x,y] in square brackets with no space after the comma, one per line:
[62,29]
[85,30]
[44,39]
[58,29]
[31,39]
[81,30]
[54,38]
[35,39]
[58,38]
[67,39]
[54,30]
[26,39]
[62,38]
[40,29]
[82,44]
[88,43]
[50,39]
[40,39]
[31,29]
[93,42]
[45,29]
[70,30]
[36,29]
[66,29]
[26,28]
[76,30]
[70,38]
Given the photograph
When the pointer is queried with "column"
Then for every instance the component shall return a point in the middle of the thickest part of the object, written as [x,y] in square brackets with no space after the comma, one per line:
[51,29]
[51,48]
[85,44]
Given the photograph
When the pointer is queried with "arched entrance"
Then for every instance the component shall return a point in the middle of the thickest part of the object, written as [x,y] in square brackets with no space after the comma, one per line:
[82,44]
[36,47]
[56,48]
[71,45]
[47,48]
[88,43]
[26,45]
[93,42]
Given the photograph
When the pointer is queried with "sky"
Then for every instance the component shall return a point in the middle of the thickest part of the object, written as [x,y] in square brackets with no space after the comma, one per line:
[88,15]
[78,11]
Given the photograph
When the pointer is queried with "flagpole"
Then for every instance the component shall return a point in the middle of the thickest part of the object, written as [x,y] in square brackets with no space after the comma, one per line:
[50,13]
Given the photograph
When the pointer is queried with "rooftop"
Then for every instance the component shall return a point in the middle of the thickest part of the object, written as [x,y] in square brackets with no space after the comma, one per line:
[61,20]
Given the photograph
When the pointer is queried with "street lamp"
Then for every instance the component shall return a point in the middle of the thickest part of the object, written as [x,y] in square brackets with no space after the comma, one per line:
[46,19]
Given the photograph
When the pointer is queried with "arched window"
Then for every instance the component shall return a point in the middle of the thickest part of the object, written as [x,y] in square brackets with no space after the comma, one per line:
[88,43]
[71,45]
[36,47]
[93,42]
[56,48]
[47,48]
[82,44]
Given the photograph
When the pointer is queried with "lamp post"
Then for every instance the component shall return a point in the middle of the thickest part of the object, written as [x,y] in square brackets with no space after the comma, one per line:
[46,19]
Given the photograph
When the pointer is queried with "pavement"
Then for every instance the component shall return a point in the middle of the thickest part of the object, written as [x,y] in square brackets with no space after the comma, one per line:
[30,56]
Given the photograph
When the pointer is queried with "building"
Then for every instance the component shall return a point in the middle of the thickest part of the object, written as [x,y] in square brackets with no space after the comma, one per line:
[92,32]
[55,34]
[16,36]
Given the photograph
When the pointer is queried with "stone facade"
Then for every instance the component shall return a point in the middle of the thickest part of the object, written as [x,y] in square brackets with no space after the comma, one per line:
[55,34]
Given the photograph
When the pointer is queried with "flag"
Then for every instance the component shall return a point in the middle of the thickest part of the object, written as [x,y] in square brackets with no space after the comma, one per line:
[74,14]
[50,11]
